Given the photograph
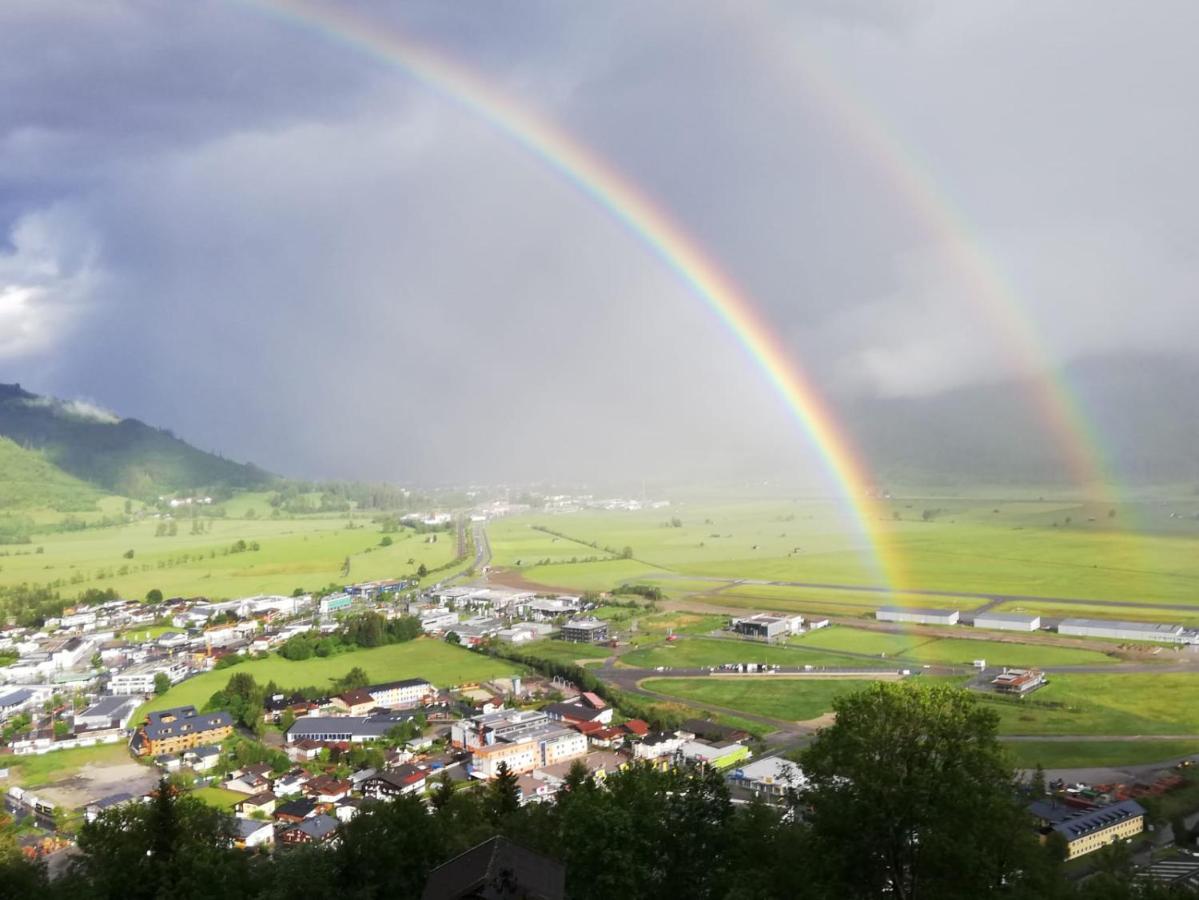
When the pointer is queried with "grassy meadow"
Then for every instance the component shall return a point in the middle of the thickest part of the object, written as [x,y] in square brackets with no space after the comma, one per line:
[1077,754]
[697,652]
[786,698]
[436,661]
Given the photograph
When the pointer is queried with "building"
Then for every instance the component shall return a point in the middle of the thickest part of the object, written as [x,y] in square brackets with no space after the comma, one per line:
[720,757]
[249,833]
[335,603]
[1018,681]
[1007,622]
[108,712]
[1092,829]
[585,631]
[770,777]
[139,679]
[391,783]
[354,703]
[917,616]
[345,729]
[547,745]
[318,829]
[586,708]
[180,728]
[433,621]
[1125,631]
[403,694]
[497,868]
[767,626]
[657,745]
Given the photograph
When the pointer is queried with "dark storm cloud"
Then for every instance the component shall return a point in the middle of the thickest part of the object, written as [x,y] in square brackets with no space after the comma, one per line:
[230,225]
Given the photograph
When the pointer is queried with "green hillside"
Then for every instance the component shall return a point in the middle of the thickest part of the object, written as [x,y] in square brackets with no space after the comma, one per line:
[124,456]
[29,480]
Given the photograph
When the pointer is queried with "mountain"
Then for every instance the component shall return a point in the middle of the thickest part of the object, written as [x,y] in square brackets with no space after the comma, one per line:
[123,456]
[28,479]
[1140,415]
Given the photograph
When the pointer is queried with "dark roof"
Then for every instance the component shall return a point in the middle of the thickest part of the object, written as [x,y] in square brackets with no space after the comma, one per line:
[185,720]
[1091,820]
[580,712]
[110,706]
[356,697]
[403,682]
[318,827]
[713,730]
[247,827]
[476,872]
[297,808]
[400,777]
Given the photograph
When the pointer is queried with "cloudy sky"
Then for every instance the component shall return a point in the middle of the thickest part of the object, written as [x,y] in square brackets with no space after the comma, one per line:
[226,222]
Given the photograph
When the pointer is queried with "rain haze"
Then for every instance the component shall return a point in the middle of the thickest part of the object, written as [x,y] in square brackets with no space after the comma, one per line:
[236,225]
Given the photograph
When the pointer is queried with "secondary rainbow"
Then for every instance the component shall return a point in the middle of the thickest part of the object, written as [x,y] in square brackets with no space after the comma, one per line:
[629,206]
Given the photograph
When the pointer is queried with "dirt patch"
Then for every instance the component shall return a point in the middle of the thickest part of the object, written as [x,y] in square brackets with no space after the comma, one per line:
[93,782]
[513,578]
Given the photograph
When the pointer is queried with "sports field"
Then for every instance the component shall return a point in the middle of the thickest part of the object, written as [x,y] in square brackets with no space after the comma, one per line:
[304,553]
[436,661]
[786,698]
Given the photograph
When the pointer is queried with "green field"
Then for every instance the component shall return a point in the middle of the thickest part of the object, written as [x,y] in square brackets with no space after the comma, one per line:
[787,699]
[564,651]
[858,640]
[961,651]
[1082,754]
[308,553]
[989,545]
[34,771]
[514,542]
[434,660]
[697,652]
[218,797]
[1165,704]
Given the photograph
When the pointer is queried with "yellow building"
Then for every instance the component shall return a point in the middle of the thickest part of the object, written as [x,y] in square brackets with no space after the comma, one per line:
[1092,829]
[178,729]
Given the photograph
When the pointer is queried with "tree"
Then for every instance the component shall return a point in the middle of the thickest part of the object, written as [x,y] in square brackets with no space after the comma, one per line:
[626,553]
[352,680]
[162,683]
[503,794]
[422,571]
[452,637]
[128,554]
[385,541]
[154,595]
[910,795]
[1037,786]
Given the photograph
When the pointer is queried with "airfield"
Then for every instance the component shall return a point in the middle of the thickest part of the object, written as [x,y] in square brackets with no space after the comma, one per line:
[1107,703]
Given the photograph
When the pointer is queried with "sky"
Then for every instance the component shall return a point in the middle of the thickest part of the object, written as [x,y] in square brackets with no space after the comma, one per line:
[224,222]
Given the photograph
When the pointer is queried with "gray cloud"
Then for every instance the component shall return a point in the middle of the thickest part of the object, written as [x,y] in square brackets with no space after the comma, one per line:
[285,249]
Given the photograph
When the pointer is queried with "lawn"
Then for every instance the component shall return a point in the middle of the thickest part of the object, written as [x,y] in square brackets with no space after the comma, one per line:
[1164,704]
[858,640]
[961,651]
[788,699]
[434,660]
[307,553]
[515,542]
[696,652]
[218,797]
[32,771]
[564,651]
[1086,754]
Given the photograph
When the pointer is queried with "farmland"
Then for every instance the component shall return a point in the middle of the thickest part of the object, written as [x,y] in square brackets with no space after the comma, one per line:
[949,651]
[440,663]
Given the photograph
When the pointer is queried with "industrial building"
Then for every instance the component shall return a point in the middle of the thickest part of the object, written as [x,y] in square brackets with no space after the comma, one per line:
[1007,622]
[917,616]
[585,631]
[1125,631]
[766,625]
[1092,829]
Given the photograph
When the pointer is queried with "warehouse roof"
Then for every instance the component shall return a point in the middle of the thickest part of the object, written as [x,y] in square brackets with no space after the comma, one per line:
[914,611]
[1005,617]
[1114,625]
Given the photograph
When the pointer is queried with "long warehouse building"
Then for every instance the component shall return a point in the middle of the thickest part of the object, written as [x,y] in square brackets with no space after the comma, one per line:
[1127,631]
[917,616]
[1007,622]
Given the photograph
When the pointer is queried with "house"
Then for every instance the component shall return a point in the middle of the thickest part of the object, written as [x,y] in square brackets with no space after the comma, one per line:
[403,694]
[327,789]
[249,833]
[354,703]
[497,869]
[290,783]
[319,829]
[202,759]
[295,810]
[93,810]
[180,728]
[1018,681]
[259,803]
[587,707]
[108,712]
[637,728]
[656,745]
[303,750]
[250,780]
[391,783]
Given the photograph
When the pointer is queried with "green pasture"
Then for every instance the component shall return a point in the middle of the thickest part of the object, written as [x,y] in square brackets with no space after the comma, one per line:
[595,576]
[436,661]
[786,698]
[696,652]
[1116,704]
[858,640]
[218,797]
[984,545]
[564,651]
[1086,754]
[516,543]
[308,553]
[35,771]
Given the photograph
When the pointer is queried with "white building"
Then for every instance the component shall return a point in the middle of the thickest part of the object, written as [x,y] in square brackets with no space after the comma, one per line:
[435,620]
[767,625]
[1126,631]
[139,679]
[917,616]
[1007,622]
[401,694]
[108,712]
[772,776]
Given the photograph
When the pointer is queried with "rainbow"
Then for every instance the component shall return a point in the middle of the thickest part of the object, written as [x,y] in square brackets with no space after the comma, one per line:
[637,213]
[985,283]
